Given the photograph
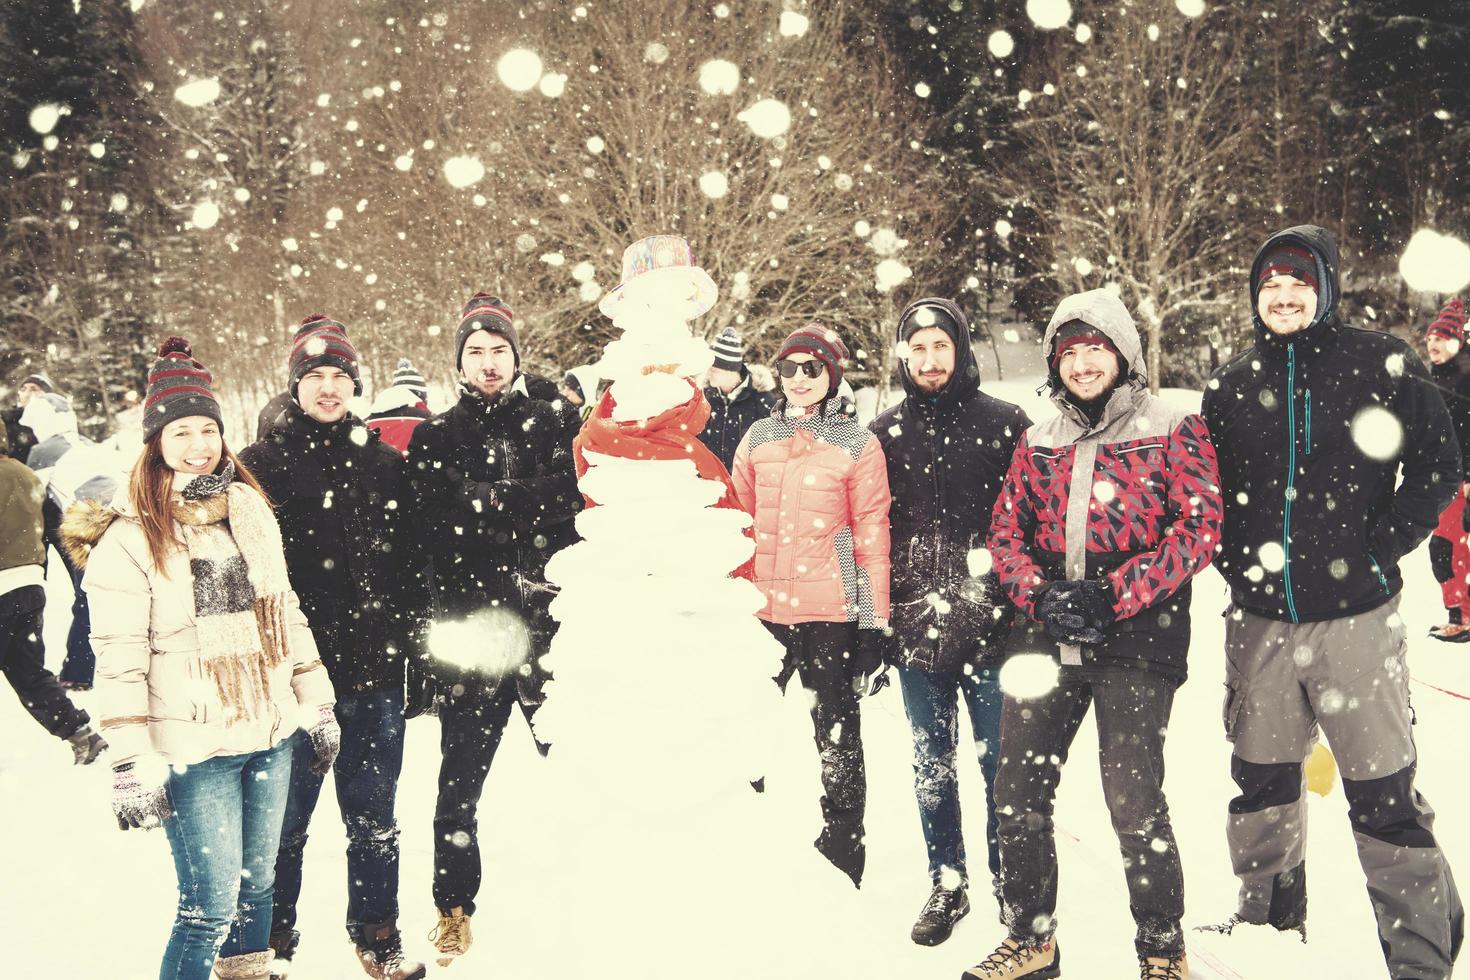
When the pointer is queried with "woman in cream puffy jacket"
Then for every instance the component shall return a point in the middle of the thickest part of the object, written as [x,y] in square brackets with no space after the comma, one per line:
[205,667]
[816,483]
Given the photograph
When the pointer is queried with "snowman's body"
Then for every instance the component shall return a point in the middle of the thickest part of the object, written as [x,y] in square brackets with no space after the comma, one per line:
[663,703]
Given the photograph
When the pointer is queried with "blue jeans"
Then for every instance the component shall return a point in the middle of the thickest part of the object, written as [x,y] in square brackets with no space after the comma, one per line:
[931,701]
[366,777]
[224,832]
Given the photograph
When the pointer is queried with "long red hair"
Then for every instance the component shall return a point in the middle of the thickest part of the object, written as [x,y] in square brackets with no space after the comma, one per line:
[150,491]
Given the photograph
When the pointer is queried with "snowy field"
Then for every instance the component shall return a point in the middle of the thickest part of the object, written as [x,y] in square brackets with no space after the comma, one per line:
[83,900]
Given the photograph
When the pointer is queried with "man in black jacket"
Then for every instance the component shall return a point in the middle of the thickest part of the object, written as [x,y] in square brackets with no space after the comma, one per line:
[340,497]
[20,437]
[1313,425]
[734,402]
[494,492]
[1449,547]
[948,445]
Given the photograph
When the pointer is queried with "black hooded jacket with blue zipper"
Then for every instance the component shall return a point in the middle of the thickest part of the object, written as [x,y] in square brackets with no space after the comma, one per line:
[1312,429]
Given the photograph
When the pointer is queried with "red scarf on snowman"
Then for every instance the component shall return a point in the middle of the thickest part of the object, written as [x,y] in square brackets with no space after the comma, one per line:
[669,435]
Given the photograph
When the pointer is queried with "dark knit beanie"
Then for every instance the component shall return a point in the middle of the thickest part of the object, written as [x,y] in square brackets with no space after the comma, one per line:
[1290,260]
[923,315]
[321,341]
[407,376]
[823,344]
[1450,324]
[486,312]
[1075,332]
[178,387]
[729,350]
[39,380]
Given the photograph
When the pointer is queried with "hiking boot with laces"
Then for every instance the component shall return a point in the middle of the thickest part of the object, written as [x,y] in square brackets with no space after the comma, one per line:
[451,937]
[946,907]
[1017,958]
[382,955]
[1174,967]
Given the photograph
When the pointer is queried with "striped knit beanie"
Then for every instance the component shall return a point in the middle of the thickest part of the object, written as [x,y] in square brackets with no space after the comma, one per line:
[729,350]
[178,387]
[321,342]
[408,376]
[823,344]
[1450,324]
[1290,260]
[485,312]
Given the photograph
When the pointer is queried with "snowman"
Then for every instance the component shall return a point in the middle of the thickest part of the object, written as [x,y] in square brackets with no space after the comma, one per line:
[663,703]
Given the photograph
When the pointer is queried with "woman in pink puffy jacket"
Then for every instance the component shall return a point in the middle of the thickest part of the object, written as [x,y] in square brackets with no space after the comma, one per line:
[816,483]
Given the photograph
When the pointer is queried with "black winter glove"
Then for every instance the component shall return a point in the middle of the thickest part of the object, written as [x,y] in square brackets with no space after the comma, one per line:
[1076,612]
[867,660]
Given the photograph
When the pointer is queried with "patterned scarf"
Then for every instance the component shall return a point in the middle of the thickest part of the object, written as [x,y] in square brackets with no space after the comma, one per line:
[238,565]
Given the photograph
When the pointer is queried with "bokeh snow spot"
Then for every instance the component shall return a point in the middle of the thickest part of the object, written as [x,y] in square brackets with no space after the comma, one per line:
[1377,433]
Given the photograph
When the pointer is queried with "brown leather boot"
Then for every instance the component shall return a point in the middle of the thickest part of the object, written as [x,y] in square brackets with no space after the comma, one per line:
[451,937]
[1163,967]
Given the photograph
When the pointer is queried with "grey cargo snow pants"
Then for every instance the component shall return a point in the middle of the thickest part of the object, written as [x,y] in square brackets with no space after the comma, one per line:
[1348,676]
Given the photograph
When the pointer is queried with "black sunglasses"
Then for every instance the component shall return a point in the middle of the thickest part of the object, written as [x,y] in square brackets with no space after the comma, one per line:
[811,369]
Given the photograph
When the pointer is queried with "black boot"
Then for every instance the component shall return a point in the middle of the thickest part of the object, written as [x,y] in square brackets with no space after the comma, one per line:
[284,942]
[945,908]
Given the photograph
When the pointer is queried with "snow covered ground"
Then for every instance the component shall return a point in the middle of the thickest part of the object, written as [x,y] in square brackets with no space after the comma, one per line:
[81,899]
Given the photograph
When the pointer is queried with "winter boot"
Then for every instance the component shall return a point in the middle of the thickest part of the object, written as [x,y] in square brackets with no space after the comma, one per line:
[945,908]
[381,955]
[451,937]
[845,851]
[1017,958]
[1164,967]
[1451,633]
[246,966]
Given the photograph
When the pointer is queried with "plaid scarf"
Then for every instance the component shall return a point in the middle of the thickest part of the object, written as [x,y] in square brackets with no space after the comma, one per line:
[238,565]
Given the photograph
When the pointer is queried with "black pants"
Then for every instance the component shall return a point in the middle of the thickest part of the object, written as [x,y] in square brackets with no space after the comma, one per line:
[1132,715]
[471,723]
[23,661]
[819,653]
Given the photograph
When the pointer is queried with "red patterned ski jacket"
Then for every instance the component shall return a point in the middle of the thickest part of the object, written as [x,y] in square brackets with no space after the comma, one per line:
[1133,500]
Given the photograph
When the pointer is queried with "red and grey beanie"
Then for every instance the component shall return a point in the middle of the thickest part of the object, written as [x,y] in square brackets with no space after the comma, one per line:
[1290,260]
[823,344]
[321,341]
[1450,324]
[1075,332]
[178,387]
[486,312]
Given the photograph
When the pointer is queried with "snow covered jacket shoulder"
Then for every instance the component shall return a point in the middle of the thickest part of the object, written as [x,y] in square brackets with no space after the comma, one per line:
[817,487]
[341,495]
[153,692]
[1312,429]
[731,415]
[396,412]
[1133,500]
[947,455]
[494,494]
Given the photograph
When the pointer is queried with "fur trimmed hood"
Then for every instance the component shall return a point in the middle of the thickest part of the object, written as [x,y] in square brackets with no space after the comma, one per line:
[83,525]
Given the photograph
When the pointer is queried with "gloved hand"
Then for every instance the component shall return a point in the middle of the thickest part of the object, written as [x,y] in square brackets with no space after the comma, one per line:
[1076,611]
[86,745]
[136,803]
[326,740]
[867,660]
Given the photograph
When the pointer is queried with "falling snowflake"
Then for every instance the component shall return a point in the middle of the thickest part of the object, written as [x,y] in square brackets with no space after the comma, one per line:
[404,162]
[45,116]
[583,271]
[1000,44]
[519,69]
[1377,433]
[595,144]
[206,215]
[655,53]
[891,273]
[719,77]
[767,118]
[463,171]
[793,24]
[553,85]
[1435,263]
[1190,8]
[714,184]
[1029,675]
[198,92]
[1049,14]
